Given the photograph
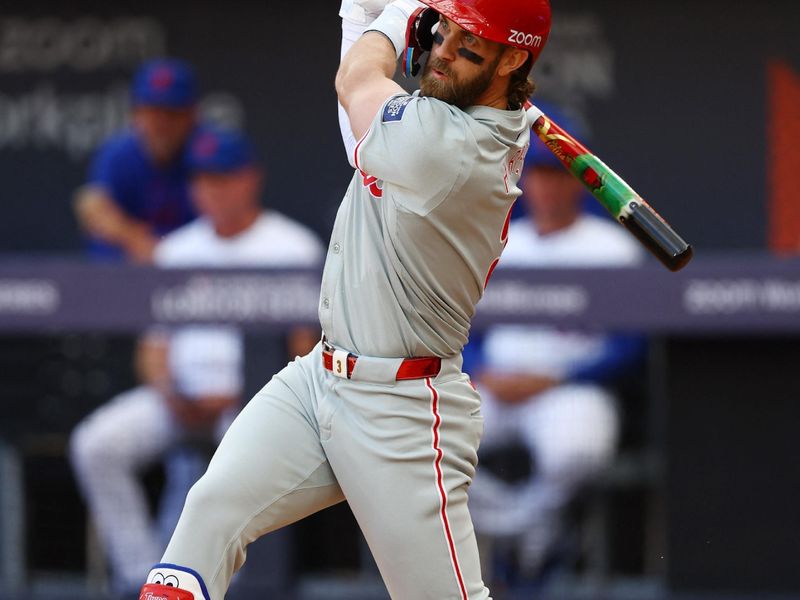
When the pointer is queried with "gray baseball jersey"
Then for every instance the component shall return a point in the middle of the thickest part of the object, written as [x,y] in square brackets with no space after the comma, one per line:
[423,222]
[422,225]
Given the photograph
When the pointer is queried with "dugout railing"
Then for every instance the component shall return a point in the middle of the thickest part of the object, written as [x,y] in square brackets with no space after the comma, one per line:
[45,300]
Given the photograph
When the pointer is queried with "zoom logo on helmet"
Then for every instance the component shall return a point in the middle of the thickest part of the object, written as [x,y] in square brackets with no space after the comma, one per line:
[528,39]
[523,24]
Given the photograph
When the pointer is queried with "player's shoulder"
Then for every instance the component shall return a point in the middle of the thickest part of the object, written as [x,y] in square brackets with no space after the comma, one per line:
[180,247]
[425,116]
[124,145]
[119,163]
[505,126]
[419,145]
[276,222]
[301,243]
[395,108]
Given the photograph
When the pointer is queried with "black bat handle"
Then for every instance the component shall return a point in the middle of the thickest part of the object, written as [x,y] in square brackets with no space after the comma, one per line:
[657,236]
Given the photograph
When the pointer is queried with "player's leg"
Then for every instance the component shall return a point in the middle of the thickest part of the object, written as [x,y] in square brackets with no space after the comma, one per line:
[572,431]
[107,449]
[405,455]
[269,471]
[184,465]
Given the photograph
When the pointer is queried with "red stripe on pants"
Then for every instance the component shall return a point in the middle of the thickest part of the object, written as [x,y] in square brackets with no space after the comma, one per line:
[437,464]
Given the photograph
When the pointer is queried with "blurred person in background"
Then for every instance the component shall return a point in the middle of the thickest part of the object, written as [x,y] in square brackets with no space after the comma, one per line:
[544,388]
[138,188]
[192,377]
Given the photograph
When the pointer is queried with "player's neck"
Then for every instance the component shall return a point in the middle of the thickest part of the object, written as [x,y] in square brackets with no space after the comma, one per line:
[496,95]
[237,224]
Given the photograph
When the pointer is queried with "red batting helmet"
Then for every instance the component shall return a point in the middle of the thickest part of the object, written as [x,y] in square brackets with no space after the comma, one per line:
[523,24]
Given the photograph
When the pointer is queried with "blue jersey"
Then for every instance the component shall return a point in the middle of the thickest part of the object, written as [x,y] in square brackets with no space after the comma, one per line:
[157,195]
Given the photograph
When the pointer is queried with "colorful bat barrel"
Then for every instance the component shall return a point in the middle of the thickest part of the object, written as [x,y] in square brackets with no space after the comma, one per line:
[613,193]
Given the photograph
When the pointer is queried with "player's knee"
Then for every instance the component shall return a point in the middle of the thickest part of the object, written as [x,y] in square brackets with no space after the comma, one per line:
[577,464]
[586,456]
[82,449]
[206,498]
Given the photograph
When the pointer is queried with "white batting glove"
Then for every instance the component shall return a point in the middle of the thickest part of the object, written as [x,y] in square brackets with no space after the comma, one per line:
[393,22]
[362,12]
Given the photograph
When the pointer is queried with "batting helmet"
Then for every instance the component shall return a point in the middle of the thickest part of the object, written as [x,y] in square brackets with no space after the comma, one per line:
[522,24]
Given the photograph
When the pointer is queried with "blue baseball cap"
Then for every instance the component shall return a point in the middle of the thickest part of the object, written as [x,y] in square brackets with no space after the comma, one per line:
[168,83]
[539,155]
[214,150]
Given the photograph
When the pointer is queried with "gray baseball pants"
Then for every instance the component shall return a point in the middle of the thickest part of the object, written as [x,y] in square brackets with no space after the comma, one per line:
[402,453]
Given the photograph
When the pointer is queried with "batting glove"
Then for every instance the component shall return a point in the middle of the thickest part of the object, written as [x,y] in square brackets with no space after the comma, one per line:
[362,12]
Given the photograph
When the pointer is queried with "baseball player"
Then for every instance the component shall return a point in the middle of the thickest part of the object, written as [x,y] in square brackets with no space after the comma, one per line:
[138,187]
[545,386]
[380,413]
[194,374]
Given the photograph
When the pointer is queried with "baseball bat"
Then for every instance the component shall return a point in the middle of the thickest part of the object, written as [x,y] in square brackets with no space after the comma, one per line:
[624,204]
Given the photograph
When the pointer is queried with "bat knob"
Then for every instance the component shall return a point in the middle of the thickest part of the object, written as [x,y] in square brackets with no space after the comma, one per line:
[657,236]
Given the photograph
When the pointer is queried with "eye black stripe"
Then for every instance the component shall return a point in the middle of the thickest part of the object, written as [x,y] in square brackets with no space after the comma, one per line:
[438,38]
[471,56]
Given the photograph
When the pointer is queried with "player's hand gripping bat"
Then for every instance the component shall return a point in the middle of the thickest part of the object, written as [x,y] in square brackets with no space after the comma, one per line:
[612,192]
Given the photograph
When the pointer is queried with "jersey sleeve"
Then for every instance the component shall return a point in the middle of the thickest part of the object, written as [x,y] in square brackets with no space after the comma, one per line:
[418,144]
[104,170]
[105,173]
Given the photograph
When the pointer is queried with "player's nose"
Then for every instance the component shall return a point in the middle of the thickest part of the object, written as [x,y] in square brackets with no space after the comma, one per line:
[445,48]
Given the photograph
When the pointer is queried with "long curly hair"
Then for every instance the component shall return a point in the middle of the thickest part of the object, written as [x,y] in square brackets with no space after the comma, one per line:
[520,85]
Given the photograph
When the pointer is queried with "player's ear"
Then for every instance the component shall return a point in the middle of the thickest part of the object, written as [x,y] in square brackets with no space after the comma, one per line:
[512,59]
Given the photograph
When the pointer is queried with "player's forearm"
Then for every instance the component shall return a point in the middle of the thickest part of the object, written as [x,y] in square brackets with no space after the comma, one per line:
[100,216]
[351,33]
[370,60]
[516,387]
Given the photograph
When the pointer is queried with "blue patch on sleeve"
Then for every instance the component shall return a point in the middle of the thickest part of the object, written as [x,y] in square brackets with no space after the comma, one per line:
[394,109]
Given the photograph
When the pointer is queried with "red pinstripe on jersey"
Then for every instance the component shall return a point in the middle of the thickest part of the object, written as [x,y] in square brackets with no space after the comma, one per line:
[437,465]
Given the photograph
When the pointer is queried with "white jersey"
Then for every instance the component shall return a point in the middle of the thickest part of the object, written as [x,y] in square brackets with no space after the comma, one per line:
[589,242]
[208,360]
[274,240]
[421,227]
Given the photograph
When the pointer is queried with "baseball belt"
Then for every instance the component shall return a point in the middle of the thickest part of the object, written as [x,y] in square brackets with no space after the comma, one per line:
[342,363]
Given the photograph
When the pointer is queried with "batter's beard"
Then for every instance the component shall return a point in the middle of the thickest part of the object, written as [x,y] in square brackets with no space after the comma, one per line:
[452,90]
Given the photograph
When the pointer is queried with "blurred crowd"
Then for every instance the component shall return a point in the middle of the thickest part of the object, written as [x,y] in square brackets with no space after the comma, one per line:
[174,192]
